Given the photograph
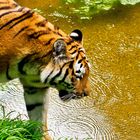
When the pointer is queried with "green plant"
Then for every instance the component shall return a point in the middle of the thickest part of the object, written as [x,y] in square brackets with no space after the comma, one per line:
[20,130]
[87,8]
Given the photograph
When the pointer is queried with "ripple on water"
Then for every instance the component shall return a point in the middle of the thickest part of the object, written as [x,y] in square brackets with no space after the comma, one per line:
[74,119]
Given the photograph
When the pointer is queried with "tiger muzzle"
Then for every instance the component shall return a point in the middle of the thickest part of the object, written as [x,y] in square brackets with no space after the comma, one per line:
[66,96]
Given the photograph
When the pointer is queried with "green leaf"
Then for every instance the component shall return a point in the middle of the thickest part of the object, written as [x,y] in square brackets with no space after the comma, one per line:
[132,2]
[87,8]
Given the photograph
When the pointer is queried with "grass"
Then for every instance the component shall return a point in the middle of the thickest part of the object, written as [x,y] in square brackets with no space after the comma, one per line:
[20,130]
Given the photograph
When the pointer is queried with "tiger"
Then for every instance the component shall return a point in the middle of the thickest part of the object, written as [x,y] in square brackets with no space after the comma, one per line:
[41,55]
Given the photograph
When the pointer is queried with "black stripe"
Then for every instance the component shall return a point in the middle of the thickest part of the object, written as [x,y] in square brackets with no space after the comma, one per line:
[42,23]
[33,106]
[59,33]
[73,72]
[22,63]
[70,42]
[81,51]
[57,75]
[71,64]
[6,13]
[79,61]
[36,35]
[72,47]
[14,19]
[66,74]
[73,52]
[5,7]
[48,76]
[78,77]
[78,71]
[9,7]
[33,90]
[7,73]
[28,15]
[69,86]
[49,41]
[77,56]
[21,30]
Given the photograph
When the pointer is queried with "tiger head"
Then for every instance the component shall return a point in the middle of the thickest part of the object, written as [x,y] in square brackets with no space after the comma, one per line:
[68,69]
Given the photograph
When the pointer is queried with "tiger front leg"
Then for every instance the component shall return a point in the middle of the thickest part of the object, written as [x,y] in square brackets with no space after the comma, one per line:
[34,102]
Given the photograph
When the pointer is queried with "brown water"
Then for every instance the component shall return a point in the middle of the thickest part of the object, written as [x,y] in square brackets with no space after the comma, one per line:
[112,42]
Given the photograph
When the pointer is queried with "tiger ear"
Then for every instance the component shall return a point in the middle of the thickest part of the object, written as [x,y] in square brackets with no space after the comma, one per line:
[59,49]
[76,35]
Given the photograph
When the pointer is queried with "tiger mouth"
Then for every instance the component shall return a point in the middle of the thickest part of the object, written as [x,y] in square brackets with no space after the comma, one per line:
[66,96]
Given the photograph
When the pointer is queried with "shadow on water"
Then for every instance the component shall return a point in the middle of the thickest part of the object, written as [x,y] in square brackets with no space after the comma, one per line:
[112,42]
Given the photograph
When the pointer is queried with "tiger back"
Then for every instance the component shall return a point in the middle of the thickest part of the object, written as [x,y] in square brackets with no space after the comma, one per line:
[40,54]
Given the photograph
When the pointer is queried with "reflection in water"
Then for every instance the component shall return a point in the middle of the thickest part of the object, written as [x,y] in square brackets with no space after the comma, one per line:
[76,119]
[112,42]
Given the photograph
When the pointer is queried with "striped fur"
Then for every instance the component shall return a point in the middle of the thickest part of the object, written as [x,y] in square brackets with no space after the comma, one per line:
[40,54]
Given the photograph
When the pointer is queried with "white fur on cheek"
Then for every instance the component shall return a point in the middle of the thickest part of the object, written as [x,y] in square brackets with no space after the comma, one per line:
[45,73]
[78,68]
[82,69]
